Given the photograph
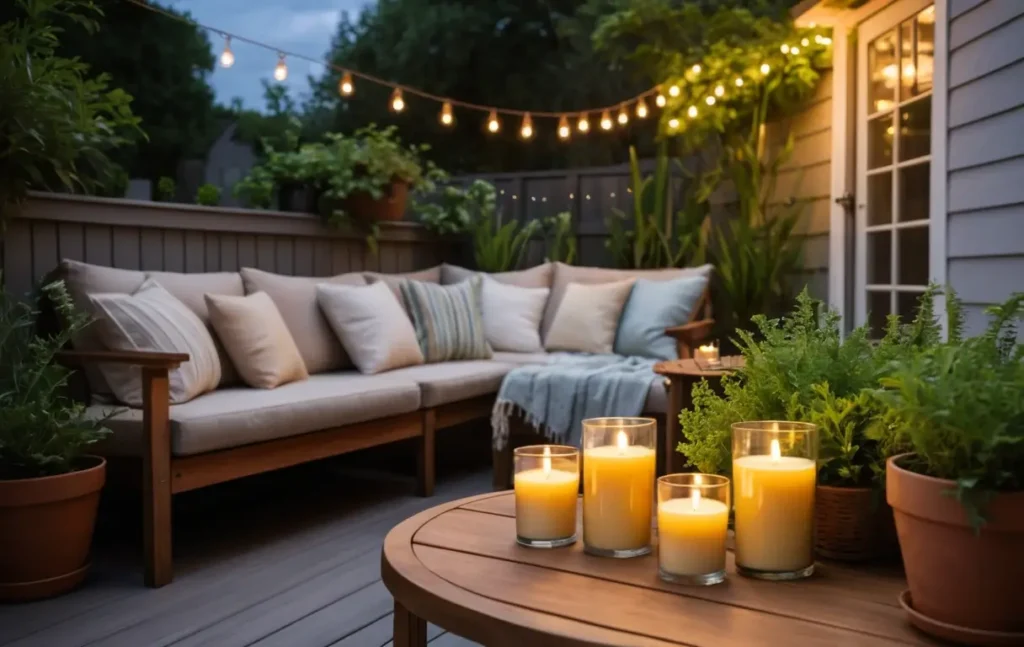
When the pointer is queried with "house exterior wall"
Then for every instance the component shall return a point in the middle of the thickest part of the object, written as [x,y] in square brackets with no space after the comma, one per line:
[985,153]
[227,162]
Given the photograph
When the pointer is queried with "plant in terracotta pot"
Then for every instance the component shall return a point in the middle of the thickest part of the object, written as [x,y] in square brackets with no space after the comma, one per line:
[958,495]
[49,486]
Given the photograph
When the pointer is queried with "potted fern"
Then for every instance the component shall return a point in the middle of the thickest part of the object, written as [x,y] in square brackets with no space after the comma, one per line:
[49,486]
[958,495]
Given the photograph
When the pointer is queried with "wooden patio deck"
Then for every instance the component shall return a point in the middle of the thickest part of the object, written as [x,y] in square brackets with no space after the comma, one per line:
[290,558]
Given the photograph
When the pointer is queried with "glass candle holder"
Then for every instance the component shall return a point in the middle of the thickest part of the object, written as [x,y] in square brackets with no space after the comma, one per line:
[547,482]
[618,485]
[774,472]
[693,522]
[709,354]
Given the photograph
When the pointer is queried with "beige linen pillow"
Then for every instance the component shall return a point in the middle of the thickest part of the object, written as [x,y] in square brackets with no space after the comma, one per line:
[588,317]
[538,276]
[512,316]
[257,339]
[395,281]
[152,319]
[371,325]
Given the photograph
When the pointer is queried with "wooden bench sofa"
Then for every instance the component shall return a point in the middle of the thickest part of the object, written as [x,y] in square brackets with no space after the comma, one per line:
[236,431]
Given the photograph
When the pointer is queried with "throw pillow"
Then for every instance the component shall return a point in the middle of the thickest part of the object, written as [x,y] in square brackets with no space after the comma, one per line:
[538,276]
[395,281]
[257,339]
[654,306]
[152,319]
[588,317]
[512,316]
[371,325]
[448,319]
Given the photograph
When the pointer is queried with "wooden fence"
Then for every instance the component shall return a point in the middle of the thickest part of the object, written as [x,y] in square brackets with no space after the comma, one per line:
[154,236]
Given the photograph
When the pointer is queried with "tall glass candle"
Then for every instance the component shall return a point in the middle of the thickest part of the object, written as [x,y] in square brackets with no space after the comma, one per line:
[547,483]
[774,472]
[618,485]
[693,521]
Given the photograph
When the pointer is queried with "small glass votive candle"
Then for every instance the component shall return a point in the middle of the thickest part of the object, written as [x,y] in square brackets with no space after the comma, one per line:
[774,473]
[618,485]
[547,483]
[709,354]
[693,522]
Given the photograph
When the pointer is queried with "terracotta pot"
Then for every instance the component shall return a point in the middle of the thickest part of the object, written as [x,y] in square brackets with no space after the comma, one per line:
[852,524]
[956,576]
[48,524]
[390,207]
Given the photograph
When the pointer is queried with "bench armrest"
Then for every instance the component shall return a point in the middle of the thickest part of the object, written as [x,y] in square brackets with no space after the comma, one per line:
[689,336]
[144,358]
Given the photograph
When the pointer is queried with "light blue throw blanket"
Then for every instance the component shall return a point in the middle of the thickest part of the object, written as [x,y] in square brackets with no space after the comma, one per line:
[556,397]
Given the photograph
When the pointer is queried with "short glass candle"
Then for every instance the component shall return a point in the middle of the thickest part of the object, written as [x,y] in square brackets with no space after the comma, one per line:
[693,522]
[774,472]
[547,483]
[709,354]
[618,485]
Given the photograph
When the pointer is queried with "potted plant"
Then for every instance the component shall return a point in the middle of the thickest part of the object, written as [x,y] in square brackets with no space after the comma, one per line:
[208,195]
[958,495]
[49,486]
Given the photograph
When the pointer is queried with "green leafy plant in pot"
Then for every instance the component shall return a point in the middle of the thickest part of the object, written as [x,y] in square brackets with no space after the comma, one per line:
[49,486]
[958,495]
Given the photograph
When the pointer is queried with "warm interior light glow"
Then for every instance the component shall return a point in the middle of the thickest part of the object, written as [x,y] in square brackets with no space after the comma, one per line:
[563,129]
[660,100]
[692,112]
[719,91]
[583,125]
[447,118]
[493,124]
[621,440]
[673,91]
[641,109]
[883,105]
[776,452]
[280,70]
[546,461]
[227,57]
[623,117]
[526,130]
[345,87]
[397,102]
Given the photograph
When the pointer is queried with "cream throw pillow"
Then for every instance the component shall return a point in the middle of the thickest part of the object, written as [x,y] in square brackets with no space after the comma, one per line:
[588,317]
[256,339]
[512,316]
[372,326]
[152,319]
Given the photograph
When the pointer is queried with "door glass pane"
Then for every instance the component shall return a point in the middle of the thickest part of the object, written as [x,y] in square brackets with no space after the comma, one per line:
[917,54]
[880,134]
[883,73]
[916,129]
[878,310]
[906,305]
[880,257]
[913,255]
[880,198]
[915,184]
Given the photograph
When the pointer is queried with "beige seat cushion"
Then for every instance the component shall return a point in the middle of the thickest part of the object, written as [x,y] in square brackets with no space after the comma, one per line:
[257,339]
[588,317]
[151,319]
[566,274]
[538,276]
[394,281]
[239,416]
[295,298]
[454,381]
[657,398]
[521,359]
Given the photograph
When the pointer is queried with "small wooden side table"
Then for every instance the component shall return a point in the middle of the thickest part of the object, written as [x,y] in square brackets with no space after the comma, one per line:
[682,374]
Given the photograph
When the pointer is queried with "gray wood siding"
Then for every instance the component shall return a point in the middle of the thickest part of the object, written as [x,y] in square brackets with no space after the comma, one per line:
[985,235]
[186,238]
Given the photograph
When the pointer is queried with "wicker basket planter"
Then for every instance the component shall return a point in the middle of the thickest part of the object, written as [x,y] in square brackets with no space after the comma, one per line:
[853,524]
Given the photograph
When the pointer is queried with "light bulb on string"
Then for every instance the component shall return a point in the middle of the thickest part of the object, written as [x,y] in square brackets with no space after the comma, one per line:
[583,124]
[673,123]
[660,100]
[526,129]
[673,91]
[227,57]
[281,69]
[784,49]
[765,68]
[794,50]
[739,82]
[623,115]
[692,112]
[447,118]
[696,68]
[641,109]
[564,131]
[710,101]
[397,102]
[805,42]
[345,86]
[606,121]
[493,125]
[719,91]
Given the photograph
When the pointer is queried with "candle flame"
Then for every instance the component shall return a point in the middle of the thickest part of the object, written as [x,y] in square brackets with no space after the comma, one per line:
[695,499]
[622,440]
[776,452]
[546,462]
[707,348]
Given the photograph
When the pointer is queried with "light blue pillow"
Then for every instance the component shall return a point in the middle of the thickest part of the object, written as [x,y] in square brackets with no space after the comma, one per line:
[654,306]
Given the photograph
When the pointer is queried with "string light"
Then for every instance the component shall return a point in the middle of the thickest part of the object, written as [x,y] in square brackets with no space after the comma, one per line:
[785,48]
[719,91]
[660,100]
[673,123]
[623,115]
[692,112]
[526,130]
[345,87]
[281,69]
[696,68]
[805,42]
[564,131]
[641,109]
[227,57]
[447,118]
[765,68]
[794,50]
[493,124]
[673,91]
[710,101]
[739,82]
[397,102]
[583,125]
[606,121]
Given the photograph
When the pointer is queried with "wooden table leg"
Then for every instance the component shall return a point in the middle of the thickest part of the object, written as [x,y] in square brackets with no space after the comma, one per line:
[673,433]
[410,630]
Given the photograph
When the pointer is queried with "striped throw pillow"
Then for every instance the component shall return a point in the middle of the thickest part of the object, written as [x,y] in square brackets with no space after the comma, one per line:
[448,319]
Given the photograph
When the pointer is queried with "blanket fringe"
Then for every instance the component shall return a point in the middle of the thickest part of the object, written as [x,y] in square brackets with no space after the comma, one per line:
[501,414]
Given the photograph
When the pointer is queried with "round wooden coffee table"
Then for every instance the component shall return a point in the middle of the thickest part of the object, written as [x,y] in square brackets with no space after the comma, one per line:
[457,565]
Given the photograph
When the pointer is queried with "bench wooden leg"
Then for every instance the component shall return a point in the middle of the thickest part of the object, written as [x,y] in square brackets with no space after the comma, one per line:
[410,630]
[501,460]
[426,461]
[156,477]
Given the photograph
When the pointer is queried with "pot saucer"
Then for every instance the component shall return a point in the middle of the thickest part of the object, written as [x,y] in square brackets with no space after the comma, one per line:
[954,633]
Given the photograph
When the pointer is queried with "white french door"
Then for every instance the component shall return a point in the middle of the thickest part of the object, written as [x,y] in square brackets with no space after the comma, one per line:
[895,72]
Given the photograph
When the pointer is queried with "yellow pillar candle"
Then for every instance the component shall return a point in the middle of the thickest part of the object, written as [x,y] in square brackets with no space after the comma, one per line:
[774,497]
[618,497]
[546,502]
[691,535]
